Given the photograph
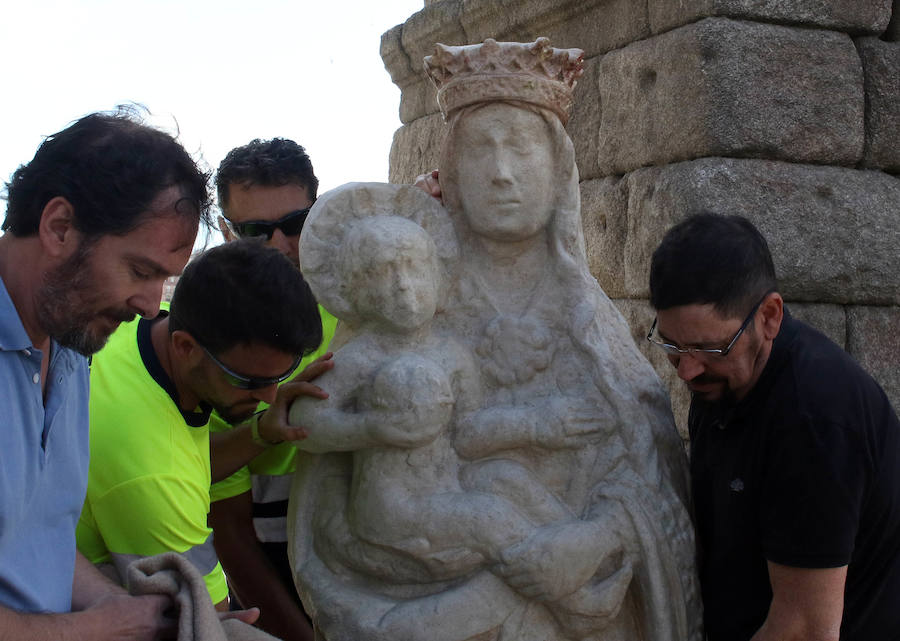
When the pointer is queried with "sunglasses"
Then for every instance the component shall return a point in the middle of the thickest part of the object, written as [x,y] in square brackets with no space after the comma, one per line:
[290,225]
[251,382]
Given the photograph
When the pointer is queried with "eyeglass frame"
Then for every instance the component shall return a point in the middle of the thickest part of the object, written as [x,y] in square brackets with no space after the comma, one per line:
[269,226]
[722,352]
[240,381]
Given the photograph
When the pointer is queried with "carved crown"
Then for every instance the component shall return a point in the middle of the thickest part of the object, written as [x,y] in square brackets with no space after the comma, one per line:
[531,72]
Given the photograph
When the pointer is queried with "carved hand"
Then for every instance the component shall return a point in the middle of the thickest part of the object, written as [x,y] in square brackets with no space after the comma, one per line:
[557,559]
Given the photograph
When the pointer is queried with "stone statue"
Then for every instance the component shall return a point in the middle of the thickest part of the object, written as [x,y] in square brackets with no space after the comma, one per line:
[495,461]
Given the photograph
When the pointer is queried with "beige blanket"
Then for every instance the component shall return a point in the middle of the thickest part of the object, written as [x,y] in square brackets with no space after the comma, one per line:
[172,574]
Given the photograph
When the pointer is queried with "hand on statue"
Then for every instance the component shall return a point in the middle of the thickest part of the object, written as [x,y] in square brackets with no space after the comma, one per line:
[315,369]
[557,559]
[274,425]
[430,184]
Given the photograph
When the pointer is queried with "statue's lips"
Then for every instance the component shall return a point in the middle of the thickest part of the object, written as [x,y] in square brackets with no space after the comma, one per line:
[506,204]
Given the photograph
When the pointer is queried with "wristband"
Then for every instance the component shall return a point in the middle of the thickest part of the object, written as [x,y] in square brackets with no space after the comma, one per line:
[254,432]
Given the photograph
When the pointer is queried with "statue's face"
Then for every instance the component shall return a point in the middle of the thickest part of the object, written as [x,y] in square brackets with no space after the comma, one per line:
[401,284]
[506,172]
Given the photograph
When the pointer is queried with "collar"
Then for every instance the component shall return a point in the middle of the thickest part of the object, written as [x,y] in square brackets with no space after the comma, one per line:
[155,369]
[13,336]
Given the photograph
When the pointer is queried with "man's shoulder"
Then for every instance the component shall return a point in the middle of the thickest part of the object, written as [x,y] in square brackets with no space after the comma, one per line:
[815,377]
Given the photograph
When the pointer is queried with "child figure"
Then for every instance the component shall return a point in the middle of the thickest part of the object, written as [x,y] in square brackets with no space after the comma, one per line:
[395,394]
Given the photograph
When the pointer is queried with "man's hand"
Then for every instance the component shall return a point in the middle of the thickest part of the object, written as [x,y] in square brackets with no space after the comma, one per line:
[121,617]
[248,616]
[430,184]
[315,369]
[273,424]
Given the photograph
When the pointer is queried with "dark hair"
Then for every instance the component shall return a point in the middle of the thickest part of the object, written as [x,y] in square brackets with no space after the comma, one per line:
[244,292]
[709,258]
[270,163]
[111,167]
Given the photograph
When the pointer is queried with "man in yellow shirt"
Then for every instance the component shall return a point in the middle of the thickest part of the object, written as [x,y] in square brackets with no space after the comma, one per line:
[240,321]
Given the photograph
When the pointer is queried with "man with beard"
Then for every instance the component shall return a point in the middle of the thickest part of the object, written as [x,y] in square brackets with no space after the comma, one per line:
[265,190]
[106,210]
[241,319]
[795,450]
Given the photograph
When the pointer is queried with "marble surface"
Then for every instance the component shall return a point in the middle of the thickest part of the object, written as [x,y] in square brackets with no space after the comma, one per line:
[496,460]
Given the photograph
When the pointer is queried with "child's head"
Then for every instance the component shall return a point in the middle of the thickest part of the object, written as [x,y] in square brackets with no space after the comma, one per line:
[390,271]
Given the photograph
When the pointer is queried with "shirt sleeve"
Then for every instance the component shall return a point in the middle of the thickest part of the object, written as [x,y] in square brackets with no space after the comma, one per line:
[813,493]
[154,514]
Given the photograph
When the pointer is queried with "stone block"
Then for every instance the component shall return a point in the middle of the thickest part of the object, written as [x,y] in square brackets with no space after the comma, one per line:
[831,320]
[853,16]
[872,340]
[510,19]
[604,210]
[418,99]
[721,87]
[833,232]
[416,148]
[394,57]
[639,316]
[585,120]
[440,22]
[881,62]
[596,27]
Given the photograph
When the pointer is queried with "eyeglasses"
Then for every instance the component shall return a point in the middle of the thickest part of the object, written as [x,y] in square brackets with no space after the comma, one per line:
[250,382]
[674,350]
[290,225]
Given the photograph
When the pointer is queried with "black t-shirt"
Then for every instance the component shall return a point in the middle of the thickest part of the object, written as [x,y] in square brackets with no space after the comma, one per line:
[804,472]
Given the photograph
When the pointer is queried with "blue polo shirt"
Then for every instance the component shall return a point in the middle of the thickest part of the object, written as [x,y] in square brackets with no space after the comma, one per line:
[43,468]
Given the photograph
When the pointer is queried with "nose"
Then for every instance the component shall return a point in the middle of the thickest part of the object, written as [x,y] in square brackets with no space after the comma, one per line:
[146,302]
[287,245]
[265,394]
[688,366]
[503,174]
[402,282]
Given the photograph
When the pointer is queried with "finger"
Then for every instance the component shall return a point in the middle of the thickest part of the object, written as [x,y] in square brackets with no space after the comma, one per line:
[316,368]
[294,434]
[294,389]
[248,616]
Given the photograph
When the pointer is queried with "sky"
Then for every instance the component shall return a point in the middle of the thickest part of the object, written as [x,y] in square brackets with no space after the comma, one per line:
[217,72]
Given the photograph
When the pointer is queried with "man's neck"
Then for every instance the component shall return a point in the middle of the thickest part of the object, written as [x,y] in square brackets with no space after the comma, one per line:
[22,284]
[162,346]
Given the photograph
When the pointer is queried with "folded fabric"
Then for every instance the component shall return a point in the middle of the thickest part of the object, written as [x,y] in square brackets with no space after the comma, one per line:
[171,574]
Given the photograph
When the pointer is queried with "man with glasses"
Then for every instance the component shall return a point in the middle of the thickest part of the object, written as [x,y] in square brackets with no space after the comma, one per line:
[795,450]
[265,189]
[241,319]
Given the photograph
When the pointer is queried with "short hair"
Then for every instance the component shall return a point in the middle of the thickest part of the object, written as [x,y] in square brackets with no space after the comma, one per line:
[270,163]
[244,292]
[710,258]
[111,167]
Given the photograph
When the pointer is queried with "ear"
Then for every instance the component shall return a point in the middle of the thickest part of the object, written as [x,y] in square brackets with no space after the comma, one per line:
[226,230]
[57,232]
[186,349]
[772,310]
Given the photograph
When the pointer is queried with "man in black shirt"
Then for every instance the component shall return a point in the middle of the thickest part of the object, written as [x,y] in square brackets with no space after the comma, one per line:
[795,450]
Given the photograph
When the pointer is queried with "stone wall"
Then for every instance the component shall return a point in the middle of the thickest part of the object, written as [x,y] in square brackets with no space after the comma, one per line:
[785,111]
